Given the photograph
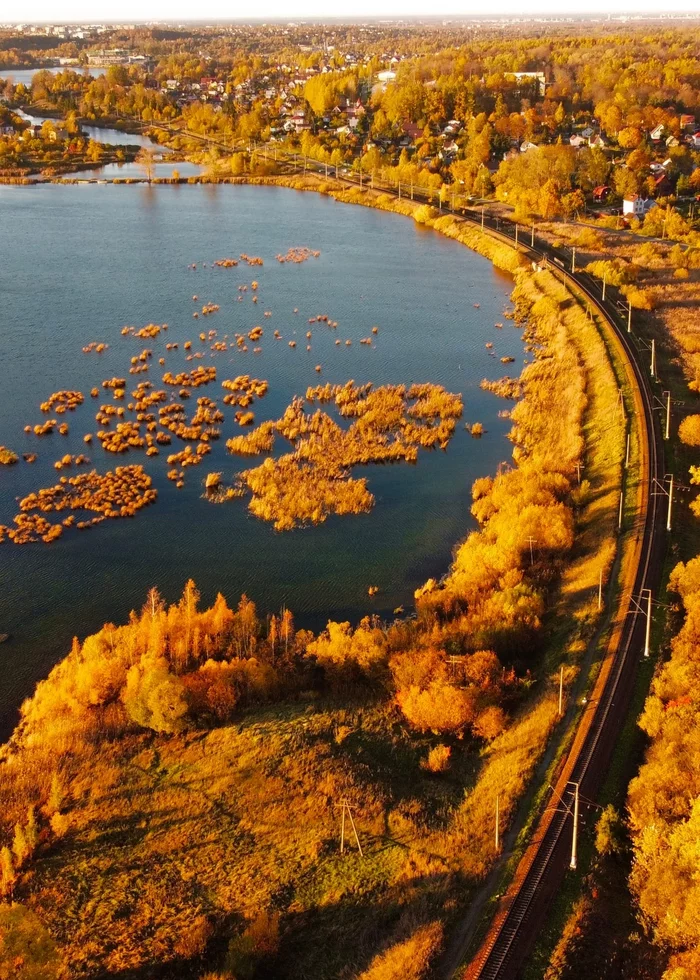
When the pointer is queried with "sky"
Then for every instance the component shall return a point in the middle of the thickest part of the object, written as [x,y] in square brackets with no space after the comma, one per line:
[127,11]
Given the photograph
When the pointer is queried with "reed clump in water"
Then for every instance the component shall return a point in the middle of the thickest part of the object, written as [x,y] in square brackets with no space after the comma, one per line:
[304,487]
[62,401]
[115,494]
[7,457]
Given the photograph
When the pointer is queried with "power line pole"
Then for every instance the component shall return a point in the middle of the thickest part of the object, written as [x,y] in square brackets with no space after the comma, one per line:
[531,541]
[647,632]
[498,816]
[668,414]
[346,808]
[574,838]
[653,358]
[573,259]
[629,318]
[604,282]
[670,503]
[561,690]
[532,238]
[600,589]
[620,512]
[627,453]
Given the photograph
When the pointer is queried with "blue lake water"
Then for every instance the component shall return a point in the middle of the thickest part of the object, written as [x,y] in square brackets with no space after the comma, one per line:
[25,75]
[102,134]
[79,262]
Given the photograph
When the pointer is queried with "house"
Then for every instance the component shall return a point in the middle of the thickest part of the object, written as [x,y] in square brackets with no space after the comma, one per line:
[538,77]
[687,122]
[656,133]
[587,133]
[672,141]
[601,193]
[412,130]
[695,140]
[527,145]
[636,206]
[31,133]
[663,185]
[386,76]
[577,141]
[597,142]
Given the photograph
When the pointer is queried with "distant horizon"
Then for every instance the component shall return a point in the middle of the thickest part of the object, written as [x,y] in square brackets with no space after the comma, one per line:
[176,12]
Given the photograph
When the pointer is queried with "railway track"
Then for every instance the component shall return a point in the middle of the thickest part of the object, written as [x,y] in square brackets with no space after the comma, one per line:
[515,925]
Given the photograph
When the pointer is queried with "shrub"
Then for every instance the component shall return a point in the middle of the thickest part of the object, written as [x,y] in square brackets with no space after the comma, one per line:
[439,708]
[689,430]
[490,723]
[425,214]
[438,759]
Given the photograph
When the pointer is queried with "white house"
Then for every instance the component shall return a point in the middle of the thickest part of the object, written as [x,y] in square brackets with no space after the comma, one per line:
[657,132]
[577,141]
[637,206]
[527,145]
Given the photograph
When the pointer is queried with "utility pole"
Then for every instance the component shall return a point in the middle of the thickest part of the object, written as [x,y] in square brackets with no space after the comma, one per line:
[627,454]
[574,838]
[573,259]
[653,358]
[647,634]
[399,190]
[531,541]
[629,318]
[668,414]
[346,808]
[561,690]
[498,815]
[482,217]
[578,471]
[532,239]
[516,233]
[604,282]
[619,516]
[411,190]
[670,503]
[600,589]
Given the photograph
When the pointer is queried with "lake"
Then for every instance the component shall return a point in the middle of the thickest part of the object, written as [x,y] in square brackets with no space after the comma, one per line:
[79,262]
[116,137]
[25,75]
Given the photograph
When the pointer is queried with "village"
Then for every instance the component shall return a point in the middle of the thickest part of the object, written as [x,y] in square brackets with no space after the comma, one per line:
[360,98]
